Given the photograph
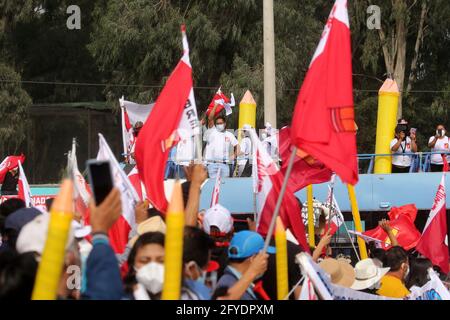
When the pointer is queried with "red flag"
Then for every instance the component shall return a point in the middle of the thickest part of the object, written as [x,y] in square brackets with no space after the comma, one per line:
[401,220]
[136,182]
[432,243]
[268,180]
[174,109]
[10,163]
[302,173]
[323,125]
[222,102]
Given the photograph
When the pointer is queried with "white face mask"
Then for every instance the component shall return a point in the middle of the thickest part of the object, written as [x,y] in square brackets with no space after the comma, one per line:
[151,276]
[220,127]
[443,133]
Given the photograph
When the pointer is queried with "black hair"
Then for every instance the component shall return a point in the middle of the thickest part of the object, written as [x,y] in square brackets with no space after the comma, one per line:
[17,276]
[220,117]
[49,203]
[197,245]
[8,207]
[143,240]
[395,256]
[153,212]
[418,272]
[376,253]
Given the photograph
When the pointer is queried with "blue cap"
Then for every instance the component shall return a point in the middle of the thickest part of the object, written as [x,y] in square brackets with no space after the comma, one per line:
[21,217]
[246,244]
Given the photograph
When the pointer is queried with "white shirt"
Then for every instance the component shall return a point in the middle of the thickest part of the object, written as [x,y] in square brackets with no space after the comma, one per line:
[219,145]
[398,158]
[246,149]
[441,145]
[271,144]
[185,151]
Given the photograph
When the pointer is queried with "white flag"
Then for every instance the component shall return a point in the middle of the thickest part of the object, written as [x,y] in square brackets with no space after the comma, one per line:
[24,188]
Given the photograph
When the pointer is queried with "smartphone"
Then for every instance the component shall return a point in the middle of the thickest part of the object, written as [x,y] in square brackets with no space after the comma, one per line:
[100,179]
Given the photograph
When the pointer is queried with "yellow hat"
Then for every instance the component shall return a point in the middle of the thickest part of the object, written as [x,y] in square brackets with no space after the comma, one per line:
[153,224]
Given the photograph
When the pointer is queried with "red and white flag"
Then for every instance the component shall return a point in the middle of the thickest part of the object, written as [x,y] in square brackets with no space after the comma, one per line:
[323,126]
[131,114]
[9,163]
[174,115]
[137,183]
[336,217]
[81,190]
[118,234]
[267,182]
[24,188]
[216,190]
[433,243]
[223,102]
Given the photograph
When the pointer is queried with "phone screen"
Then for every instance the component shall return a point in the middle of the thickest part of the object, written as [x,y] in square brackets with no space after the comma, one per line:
[100,179]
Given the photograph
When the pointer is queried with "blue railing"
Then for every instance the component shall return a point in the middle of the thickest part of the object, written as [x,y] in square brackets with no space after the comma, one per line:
[420,161]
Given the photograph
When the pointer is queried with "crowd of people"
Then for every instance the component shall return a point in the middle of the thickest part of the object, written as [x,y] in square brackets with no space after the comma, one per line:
[222,259]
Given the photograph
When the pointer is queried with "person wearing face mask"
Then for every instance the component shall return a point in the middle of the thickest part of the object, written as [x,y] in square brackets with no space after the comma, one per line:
[393,283]
[401,148]
[245,146]
[197,247]
[220,145]
[145,277]
[368,273]
[439,143]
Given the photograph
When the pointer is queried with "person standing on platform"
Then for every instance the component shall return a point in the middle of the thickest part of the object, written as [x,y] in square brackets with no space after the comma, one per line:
[439,143]
[402,146]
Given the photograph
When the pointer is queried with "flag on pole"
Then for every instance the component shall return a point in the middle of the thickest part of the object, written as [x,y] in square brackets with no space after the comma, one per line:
[303,173]
[267,181]
[323,126]
[174,115]
[81,190]
[24,188]
[223,102]
[433,243]
[216,190]
[131,114]
[335,216]
[118,234]
[9,163]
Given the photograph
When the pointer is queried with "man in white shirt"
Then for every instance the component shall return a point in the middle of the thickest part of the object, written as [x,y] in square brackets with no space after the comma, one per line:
[439,143]
[402,147]
[244,161]
[220,145]
[270,141]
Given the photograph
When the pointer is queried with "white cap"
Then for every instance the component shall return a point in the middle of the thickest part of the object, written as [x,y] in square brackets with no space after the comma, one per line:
[218,216]
[80,231]
[33,235]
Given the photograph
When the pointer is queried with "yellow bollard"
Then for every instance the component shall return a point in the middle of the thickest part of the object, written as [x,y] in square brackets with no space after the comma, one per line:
[173,246]
[52,260]
[386,122]
[357,221]
[309,199]
[247,111]
[281,260]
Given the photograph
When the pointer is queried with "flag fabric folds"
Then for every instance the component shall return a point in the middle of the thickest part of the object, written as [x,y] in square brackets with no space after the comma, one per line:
[10,163]
[323,124]
[24,188]
[216,191]
[432,243]
[223,102]
[174,115]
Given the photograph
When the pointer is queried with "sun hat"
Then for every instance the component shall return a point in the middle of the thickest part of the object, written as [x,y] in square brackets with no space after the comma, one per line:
[367,273]
[153,224]
[340,271]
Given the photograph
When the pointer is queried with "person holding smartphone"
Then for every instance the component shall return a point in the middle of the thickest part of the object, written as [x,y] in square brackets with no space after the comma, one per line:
[401,147]
[439,143]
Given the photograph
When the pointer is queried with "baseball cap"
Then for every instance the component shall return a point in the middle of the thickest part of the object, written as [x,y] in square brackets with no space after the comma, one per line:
[246,244]
[218,216]
[33,235]
[18,219]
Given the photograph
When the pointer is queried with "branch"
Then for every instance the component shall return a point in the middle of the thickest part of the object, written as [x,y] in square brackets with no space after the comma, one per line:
[387,56]
[419,41]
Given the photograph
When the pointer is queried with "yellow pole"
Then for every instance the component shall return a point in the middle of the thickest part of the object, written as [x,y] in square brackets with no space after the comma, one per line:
[173,246]
[309,199]
[247,111]
[281,260]
[52,259]
[357,221]
[386,122]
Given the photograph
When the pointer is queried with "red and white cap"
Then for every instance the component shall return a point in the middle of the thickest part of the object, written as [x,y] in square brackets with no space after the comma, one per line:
[218,216]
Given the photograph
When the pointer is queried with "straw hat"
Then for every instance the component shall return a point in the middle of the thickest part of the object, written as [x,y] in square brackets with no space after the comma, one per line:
[153,224]
[341,271]
[367,273]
